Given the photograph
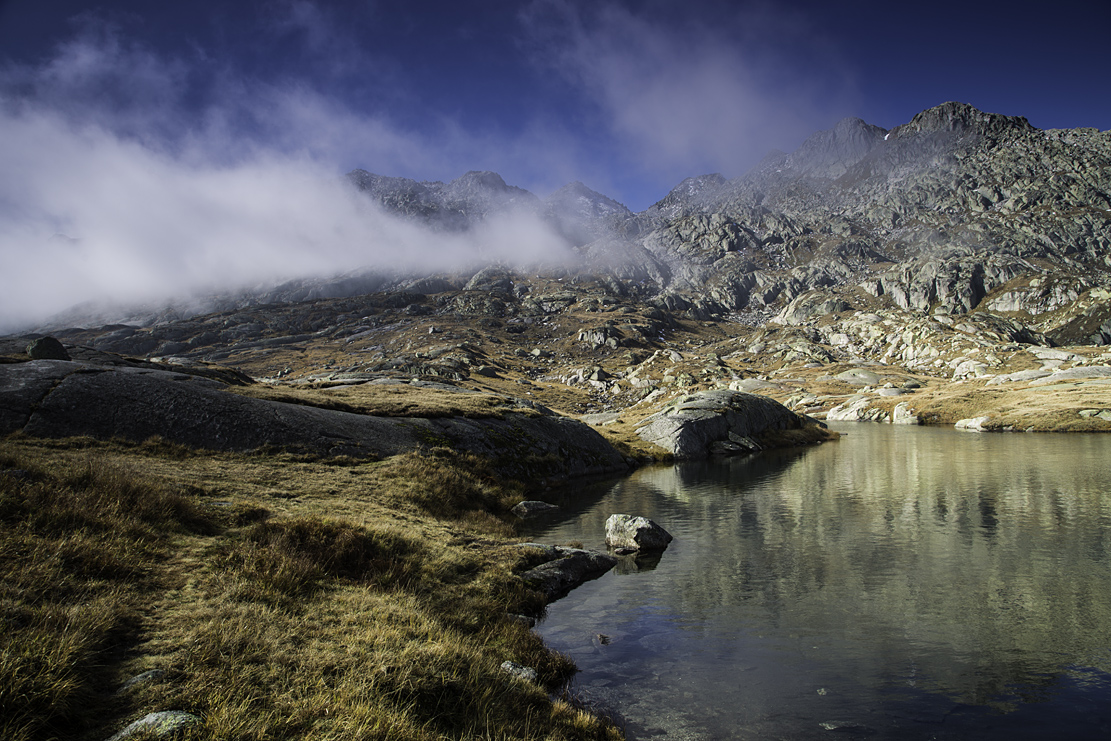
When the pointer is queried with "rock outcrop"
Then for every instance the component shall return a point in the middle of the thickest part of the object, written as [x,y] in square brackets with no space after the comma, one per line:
[54,398]
[721,422]
[565,569]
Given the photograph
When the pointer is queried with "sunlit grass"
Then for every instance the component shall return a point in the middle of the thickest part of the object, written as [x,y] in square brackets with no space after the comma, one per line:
[285,598]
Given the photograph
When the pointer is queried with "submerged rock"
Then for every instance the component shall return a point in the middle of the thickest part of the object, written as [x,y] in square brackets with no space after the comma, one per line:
[532,508]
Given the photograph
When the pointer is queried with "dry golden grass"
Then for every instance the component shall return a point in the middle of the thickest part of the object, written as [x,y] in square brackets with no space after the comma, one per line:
[285,598]
[1014,406]
[79,547]
[622,435]
[391,400]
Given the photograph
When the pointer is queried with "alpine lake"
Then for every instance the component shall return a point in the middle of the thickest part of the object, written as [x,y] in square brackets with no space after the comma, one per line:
[902,582]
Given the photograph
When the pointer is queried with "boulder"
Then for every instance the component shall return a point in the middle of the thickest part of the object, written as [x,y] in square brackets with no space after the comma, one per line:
[858,377]
[902,416]
[525,673]
[638,533]
[166,724]
[47,348]
[973,424]
[565,569]
[689,428]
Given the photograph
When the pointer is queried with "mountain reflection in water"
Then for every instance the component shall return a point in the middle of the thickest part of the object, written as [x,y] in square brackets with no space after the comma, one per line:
[901,583]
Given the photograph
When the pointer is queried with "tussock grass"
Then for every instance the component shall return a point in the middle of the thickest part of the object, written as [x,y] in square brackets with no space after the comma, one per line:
[284,598]
[78,549]
[447,483]
[288,560]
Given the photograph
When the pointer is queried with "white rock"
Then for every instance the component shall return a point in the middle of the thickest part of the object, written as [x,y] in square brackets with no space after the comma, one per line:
[973,424]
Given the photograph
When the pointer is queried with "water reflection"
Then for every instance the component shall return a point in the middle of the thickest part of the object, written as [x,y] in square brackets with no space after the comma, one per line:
[902,581]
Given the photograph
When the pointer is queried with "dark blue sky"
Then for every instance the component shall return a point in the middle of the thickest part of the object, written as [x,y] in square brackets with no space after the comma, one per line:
[628,97]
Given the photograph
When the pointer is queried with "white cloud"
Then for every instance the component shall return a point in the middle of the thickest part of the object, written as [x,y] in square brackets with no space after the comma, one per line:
[86,214]
[142,198]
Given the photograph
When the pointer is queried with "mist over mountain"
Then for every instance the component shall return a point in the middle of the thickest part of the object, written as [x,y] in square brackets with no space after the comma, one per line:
[956,211]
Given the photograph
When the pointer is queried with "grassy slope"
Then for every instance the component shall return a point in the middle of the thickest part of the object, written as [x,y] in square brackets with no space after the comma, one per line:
[284,597]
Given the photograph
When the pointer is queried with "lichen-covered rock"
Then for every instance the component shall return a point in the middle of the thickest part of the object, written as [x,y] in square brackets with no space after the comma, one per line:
[638,533]
[524,673]
[165,724]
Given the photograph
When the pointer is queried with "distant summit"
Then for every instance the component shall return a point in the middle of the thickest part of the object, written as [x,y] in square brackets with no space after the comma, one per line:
[960,118]
[458,205]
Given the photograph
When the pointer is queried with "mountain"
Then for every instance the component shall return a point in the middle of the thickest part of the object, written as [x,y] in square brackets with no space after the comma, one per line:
[962,245]
[462,203]
[955,211]
[583,215]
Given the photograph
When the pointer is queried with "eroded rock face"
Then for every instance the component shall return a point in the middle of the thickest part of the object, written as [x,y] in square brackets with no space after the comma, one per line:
[718,422]
[637,533]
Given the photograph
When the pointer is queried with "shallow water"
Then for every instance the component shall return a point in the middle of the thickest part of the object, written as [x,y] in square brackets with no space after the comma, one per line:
[901,583]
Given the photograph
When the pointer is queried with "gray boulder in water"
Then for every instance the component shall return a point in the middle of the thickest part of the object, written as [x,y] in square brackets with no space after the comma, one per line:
[638,533]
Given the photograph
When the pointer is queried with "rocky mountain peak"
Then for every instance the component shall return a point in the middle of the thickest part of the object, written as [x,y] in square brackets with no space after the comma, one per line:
[829,154]
[689,193]
[583,215]
[479,194]
[576,198]
[480,179]
[960,118]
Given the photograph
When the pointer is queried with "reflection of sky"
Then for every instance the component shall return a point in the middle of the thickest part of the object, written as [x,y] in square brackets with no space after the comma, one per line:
[925,565]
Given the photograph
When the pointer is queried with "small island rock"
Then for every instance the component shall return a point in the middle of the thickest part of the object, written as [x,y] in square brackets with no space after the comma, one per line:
[640,533]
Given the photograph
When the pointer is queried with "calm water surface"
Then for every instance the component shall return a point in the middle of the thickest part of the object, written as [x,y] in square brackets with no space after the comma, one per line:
[901,583]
